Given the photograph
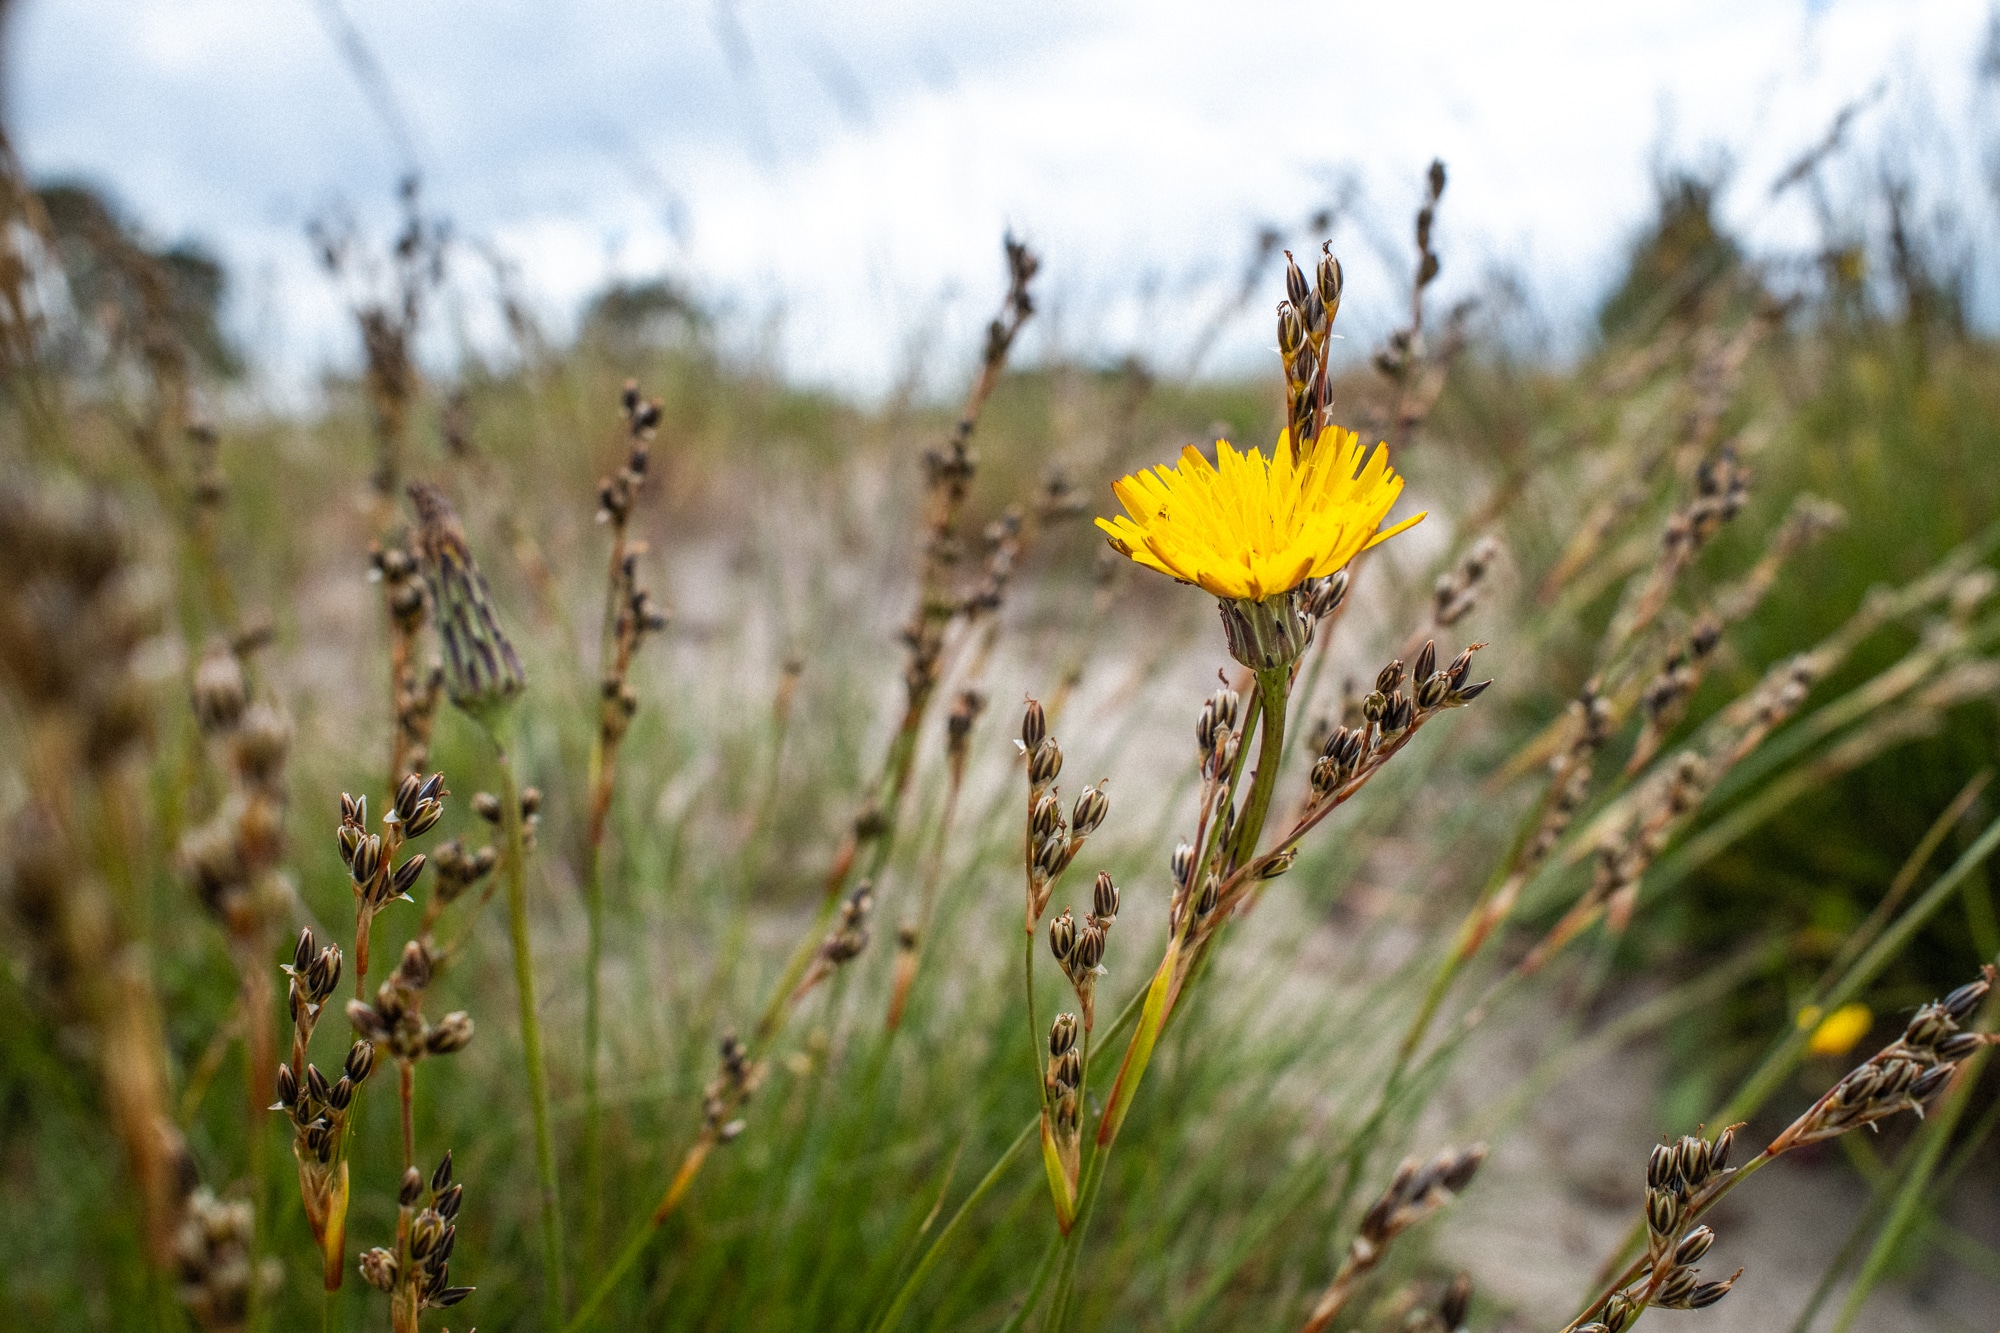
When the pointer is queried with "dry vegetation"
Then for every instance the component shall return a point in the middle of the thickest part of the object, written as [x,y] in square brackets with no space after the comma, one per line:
[631,736]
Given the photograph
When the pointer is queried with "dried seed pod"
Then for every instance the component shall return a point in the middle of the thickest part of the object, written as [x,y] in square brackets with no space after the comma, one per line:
[1955,1048]
[1062,1034]
[1694,1245]
[1062,937]
[441,1177]
[1044,762]
[1663,1211]
[1291,332]
[1088,951]
[360,1061]
[1965,999]
[1296,289]
[406,876]
[451,1033]
[487,806]
[1066,1070]
[1433,691]
[367,859]
[1708,1293]
[1931,1082]
[379,1269]
[425,818]
[1673,1293]
[1105,897]
[1034,727]
[412,1187]
[1182,865]
[1052,857]
[1324,596]
[1092,805]
[1046,820]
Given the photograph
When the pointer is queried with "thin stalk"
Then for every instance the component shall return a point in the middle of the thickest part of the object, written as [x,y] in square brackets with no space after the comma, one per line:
[889,1318]
[406,1092]
[515,870]
[1910,1198]
[1019,1319]
[1273,690]
[593,900]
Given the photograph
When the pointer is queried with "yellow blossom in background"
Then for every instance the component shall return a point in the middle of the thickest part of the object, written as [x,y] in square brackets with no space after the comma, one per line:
[1247,527]
[1837,1033]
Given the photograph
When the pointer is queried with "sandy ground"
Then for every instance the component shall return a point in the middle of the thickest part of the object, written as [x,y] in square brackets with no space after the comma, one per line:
[1558,1194]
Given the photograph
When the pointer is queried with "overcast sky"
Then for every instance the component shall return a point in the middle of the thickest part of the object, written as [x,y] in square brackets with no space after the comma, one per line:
[849,167]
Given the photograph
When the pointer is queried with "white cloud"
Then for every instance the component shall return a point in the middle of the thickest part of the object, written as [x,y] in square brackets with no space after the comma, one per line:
[854,164]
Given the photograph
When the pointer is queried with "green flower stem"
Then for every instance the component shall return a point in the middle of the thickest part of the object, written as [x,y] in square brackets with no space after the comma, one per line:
[515,870]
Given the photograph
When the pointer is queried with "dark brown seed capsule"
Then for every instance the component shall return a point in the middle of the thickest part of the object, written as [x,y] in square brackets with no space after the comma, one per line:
[1089,949]
[1694,1245]
[1062,936]
[1105,897]
[1062,1034]
[1034,726]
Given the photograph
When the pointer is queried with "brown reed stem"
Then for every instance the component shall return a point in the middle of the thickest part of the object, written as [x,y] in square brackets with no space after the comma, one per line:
[406,1093]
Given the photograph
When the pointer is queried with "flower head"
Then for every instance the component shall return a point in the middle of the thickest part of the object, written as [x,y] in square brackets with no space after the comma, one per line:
[1247,528]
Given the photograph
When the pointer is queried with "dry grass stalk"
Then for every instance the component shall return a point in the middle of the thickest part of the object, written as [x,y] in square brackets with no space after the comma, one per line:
[948,477]
[416,1275]
[72,620]
[415,685]
[387,310]
[948,473]
[1418,1190]
[630,616]
[1685,1180]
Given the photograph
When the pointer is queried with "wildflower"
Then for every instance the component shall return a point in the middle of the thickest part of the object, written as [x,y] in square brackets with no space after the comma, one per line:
[1838,1032]
[1250,528]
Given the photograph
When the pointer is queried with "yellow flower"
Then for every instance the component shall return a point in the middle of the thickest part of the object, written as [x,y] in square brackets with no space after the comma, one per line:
[1249,527]
[1839,1032]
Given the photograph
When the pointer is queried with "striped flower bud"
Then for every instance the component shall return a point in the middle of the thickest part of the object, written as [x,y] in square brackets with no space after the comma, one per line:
[482,673]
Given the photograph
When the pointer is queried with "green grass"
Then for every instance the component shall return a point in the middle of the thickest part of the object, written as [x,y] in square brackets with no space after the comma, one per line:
[781,527]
